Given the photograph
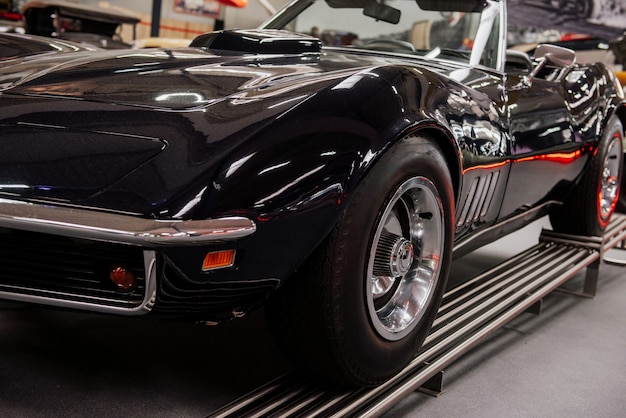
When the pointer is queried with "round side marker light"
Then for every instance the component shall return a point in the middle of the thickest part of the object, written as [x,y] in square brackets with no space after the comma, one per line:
[123,278]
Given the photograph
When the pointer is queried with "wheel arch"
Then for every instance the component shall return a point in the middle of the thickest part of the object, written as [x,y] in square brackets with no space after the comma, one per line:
[620,112]
[614,100]
[615,106]
[325,317]
[444,140]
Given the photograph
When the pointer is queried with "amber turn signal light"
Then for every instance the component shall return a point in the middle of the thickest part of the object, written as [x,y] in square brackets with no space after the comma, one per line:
[123,278]
[218,259]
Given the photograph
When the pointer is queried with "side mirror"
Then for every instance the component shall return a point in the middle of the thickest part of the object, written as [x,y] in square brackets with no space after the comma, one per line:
[553,55]
[556,55]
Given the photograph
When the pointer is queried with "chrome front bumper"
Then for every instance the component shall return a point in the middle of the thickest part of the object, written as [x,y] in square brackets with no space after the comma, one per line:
[125,229]
[149,234]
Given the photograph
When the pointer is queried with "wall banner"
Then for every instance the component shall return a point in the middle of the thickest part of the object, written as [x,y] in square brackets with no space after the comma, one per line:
[206,8]
[604,19]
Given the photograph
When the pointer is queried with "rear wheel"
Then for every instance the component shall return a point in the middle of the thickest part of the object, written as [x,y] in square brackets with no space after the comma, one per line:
[591,204]
[359,310]
[621,201]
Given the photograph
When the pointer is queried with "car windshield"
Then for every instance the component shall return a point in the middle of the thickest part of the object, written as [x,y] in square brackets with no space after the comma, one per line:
[466,31]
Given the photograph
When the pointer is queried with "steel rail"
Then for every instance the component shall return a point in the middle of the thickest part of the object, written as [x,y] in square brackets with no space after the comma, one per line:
[477,335]
[469,313]
[121,228]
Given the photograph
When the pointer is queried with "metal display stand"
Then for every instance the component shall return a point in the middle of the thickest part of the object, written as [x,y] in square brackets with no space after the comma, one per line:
[617,242]
[468,314]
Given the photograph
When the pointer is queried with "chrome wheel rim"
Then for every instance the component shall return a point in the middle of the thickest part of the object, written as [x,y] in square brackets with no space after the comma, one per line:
[405,258]
[609,184]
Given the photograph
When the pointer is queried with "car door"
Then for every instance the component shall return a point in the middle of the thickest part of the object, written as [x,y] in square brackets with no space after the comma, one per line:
[545,153]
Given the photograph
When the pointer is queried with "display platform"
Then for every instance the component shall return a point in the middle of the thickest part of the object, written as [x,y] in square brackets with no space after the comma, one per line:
[567,361]
[468,314]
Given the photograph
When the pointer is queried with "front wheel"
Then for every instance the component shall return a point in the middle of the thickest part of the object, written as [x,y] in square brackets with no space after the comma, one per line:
[361,307]
[589,208]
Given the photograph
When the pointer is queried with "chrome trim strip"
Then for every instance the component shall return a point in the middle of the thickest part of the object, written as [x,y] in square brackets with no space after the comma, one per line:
[150,287]
[125,229]
[143,308]
[501,61]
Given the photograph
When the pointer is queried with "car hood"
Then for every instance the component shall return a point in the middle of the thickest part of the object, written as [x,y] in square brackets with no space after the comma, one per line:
[181,79]
[218,66]
[163,119]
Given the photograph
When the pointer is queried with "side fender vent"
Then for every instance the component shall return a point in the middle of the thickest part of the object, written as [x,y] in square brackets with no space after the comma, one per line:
[268,41]
[478,200]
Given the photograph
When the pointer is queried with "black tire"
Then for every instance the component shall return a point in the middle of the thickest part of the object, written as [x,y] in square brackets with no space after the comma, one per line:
[621,202]
[328,319]
[589,208]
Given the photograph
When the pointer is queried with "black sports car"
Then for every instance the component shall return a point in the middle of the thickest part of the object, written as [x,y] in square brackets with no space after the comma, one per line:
[332,177]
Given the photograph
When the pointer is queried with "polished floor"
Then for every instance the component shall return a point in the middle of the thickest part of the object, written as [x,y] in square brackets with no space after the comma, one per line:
[570,361]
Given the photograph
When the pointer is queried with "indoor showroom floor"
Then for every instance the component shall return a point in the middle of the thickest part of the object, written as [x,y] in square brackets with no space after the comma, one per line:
[570,361]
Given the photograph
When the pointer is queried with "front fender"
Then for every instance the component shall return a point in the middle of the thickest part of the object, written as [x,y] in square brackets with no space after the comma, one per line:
[326,144]
[295,177]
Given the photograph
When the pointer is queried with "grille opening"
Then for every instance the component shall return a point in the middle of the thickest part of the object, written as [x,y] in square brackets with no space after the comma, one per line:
[67,268]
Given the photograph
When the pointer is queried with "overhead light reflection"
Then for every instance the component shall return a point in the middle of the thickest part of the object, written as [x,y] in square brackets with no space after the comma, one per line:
[348,83]
[14,186]
[191,204]
[289,185]
[274,167]
[237,164]
[181,97]
[282,103]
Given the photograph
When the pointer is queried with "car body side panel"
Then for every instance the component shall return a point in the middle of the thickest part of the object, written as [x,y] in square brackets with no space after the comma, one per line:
[286,155]
[545,149]
[282,142]
[555,126]
[298,174]
[478,123]
[365,123]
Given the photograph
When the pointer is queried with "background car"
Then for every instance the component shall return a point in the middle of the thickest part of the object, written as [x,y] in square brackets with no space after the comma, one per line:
[14,45]
[582,8]
[79,23]
[332,183]
[10,15]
